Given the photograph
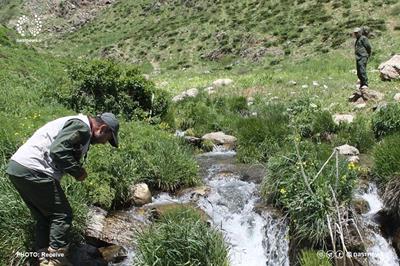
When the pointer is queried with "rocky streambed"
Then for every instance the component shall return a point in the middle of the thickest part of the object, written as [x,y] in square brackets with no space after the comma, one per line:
[229,200]
[256,234]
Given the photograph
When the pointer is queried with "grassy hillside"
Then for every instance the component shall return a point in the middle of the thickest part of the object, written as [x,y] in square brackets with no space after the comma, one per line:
[186,32]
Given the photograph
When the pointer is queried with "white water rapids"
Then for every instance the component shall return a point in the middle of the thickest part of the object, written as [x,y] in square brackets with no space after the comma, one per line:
[381,253]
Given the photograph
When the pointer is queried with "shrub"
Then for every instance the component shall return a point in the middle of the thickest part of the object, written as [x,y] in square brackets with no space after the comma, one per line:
[100,86]
[180,238]
[145,155]
[261,136]
[308,206]
[386,120]
[386,158]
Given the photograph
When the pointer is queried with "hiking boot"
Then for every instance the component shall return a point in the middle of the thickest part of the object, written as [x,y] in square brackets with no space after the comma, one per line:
[55,257]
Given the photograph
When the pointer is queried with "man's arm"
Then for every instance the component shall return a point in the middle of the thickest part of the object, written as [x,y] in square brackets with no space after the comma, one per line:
[66,150]
[367,46]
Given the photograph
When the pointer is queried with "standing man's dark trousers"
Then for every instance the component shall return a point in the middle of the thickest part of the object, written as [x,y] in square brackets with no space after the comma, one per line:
[362,70]
[48,205]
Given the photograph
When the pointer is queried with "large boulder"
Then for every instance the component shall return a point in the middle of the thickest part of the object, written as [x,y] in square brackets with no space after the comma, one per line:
[220,138]
[222,82]
[390,69]
[140,194]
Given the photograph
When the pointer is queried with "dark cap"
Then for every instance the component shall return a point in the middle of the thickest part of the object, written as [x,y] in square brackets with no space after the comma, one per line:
[111,121]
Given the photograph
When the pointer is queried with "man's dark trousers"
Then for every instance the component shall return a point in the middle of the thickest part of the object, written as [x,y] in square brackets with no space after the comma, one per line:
[361,64]
[48,205]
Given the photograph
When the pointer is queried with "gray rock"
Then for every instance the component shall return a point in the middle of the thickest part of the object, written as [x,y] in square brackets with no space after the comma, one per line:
[191,93]
[220,138]
[397,97]
[222,82]
[353,159]
[390,69]
[342,118]
[96,222]
[347,150]
[140,194]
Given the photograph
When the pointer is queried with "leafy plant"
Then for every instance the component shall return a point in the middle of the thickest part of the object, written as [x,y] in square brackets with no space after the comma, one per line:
[296,183]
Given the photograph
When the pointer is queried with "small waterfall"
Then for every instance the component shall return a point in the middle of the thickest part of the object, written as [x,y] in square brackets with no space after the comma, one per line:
[380,252]
[254,238]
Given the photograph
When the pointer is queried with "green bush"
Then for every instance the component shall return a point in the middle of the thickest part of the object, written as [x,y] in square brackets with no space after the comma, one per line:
[312,258]
[285,187]
[386,157]
[100,86]
[386,120]
[145,155]
[180,238]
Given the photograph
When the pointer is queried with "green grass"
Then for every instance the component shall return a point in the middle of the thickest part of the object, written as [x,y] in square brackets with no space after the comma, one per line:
[180,238]
[307,198]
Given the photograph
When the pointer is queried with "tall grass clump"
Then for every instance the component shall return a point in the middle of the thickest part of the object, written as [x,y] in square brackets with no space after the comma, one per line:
[386,158]
[293,184]
[146,154]
[386,120]
[16,224]
[259,137]
[180,238]
[205,114]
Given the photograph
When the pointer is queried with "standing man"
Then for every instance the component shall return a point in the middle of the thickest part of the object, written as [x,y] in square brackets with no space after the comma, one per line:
[36,168]
[363,52]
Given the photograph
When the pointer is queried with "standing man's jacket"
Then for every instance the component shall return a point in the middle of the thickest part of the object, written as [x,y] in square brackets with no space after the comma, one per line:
[56,148]
[362,47]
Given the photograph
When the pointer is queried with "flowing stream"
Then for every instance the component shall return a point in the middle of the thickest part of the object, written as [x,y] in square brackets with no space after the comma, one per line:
[255,238]
[381,253]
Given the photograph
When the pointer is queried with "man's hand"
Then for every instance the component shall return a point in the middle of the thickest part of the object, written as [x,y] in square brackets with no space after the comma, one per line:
[82,176]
